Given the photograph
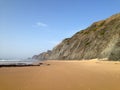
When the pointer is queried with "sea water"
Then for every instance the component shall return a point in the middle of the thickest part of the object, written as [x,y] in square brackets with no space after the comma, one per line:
[17,61]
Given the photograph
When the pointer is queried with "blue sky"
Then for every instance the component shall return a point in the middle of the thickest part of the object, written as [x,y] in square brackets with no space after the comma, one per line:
[28,27]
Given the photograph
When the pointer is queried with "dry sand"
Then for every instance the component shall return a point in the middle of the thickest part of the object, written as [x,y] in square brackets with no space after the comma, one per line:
[62,75]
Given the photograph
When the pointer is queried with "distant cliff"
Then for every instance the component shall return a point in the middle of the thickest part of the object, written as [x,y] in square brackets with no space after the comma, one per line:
[101,40]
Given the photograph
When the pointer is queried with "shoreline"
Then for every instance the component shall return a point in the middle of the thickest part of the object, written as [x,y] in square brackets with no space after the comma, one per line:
[38,63]
[20,63]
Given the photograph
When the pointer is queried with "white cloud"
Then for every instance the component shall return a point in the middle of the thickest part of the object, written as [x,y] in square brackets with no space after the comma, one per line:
[40,24]
[54,42]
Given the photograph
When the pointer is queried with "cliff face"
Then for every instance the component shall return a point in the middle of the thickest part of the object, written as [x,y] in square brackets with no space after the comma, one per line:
[100,40]
[42,56]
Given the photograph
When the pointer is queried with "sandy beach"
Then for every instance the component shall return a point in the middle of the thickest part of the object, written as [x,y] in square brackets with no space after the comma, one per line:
[62,75]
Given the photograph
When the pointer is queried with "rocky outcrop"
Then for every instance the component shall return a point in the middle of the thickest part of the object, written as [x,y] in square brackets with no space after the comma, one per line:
[42,56]
[100,40]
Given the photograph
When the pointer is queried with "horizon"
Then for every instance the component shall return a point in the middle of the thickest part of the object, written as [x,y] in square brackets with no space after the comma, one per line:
[29,27]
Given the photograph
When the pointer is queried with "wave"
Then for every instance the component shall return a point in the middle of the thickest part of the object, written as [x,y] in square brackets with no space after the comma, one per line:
[17,61]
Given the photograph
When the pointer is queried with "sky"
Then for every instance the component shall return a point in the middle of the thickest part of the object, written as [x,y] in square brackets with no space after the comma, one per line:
[29,27]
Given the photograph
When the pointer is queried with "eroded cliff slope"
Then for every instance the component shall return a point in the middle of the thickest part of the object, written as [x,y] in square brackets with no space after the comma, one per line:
[100,40]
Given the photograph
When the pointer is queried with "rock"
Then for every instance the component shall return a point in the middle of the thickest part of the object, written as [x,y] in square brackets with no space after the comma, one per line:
[42,56]
[100,40]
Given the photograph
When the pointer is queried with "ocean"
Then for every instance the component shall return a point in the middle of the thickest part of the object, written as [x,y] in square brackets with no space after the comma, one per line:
[18,62]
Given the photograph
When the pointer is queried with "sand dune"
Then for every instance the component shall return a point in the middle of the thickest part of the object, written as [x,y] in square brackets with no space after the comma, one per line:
[63,75]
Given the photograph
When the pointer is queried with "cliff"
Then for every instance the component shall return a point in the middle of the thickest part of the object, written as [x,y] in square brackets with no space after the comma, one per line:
[101,40]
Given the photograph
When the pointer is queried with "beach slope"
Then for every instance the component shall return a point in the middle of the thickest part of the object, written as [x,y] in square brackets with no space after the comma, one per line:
[62,75]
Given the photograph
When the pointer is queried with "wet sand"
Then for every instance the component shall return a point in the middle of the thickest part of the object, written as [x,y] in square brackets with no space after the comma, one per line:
[62,75]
